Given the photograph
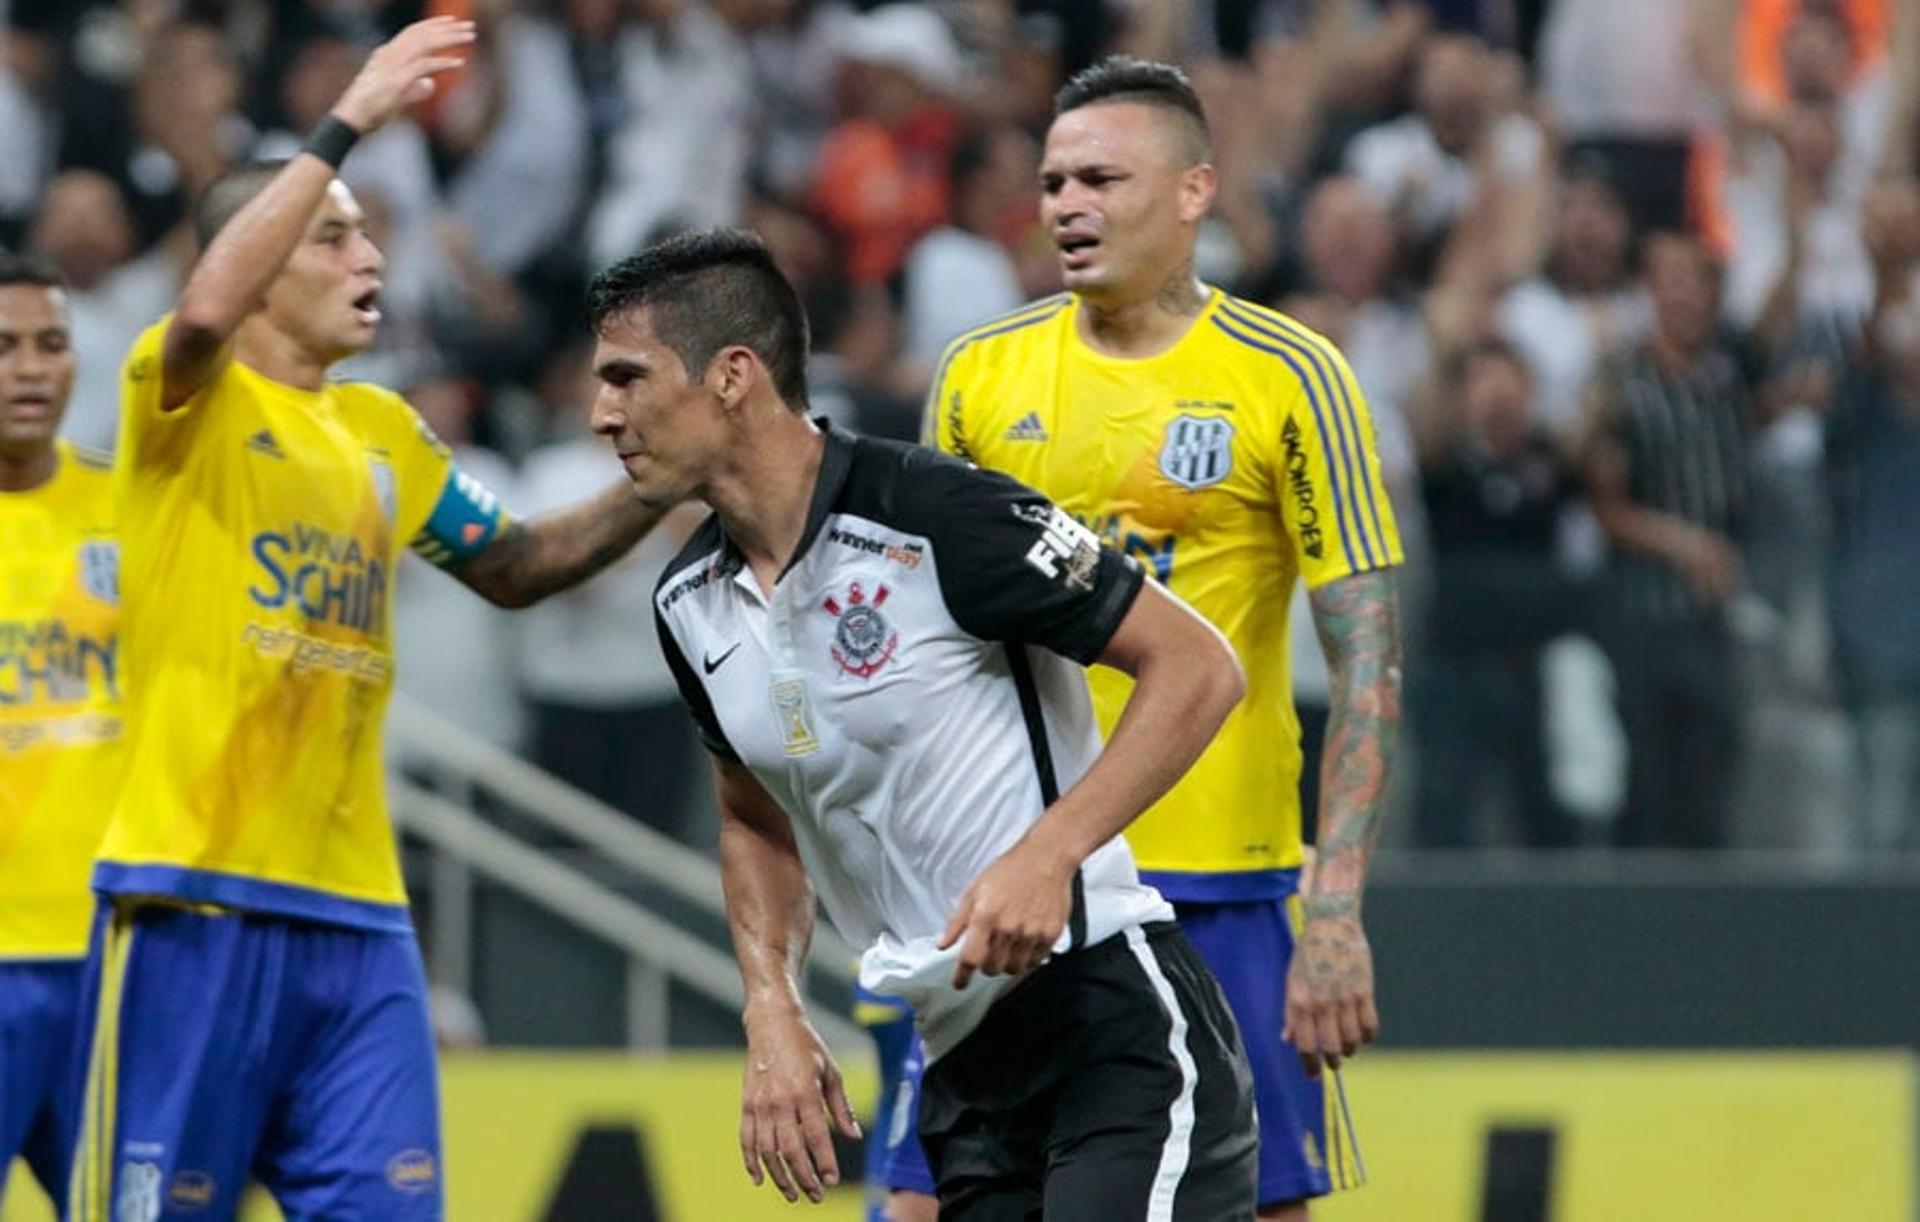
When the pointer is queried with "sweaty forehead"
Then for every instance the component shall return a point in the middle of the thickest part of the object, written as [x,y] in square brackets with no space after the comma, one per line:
[1120,133]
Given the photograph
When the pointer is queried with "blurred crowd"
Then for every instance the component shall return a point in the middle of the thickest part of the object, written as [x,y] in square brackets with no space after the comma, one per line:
[1631,287]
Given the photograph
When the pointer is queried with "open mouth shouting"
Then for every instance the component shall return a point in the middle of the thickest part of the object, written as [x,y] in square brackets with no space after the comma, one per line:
[366,308]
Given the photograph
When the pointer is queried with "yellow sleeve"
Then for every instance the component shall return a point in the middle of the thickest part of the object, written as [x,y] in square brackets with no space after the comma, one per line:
[444,514]
[147,433]
[943,422]
[1338,517]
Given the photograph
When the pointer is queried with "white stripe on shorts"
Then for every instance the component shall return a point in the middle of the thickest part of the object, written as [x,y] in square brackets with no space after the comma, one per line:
[1179,1145]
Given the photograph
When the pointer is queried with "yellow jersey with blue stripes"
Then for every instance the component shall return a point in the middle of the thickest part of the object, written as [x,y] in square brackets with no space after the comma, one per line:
[60,725]
[1236,462]
[262,525]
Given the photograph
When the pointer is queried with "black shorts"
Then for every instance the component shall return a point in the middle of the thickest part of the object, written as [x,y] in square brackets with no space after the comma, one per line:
[1111,1084]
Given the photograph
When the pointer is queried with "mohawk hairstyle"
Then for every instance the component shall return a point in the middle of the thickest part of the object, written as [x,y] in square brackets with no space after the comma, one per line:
[1123,78]
[705,291]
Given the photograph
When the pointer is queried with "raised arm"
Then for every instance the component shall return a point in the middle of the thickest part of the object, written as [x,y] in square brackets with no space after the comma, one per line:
[792,1084]
[533,559]
[233,274]
[1186,681]
[1330,1000]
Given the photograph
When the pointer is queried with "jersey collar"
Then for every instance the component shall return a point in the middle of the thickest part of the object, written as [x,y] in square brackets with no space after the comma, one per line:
[836,462]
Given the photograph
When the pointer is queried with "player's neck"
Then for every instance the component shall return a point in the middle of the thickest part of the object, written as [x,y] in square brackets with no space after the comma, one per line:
[26,471]
[764,494]
[1145,327]
[272,353]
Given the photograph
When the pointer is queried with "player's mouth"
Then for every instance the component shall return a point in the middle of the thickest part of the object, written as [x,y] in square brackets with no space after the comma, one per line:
[1077,250]
[29,406]
[366,307]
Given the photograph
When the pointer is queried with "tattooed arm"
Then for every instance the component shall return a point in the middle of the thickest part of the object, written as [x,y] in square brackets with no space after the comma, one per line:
[531,560]
[1330,1005]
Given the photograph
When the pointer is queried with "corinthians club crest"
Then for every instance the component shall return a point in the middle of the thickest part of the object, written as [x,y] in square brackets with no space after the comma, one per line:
[863,640]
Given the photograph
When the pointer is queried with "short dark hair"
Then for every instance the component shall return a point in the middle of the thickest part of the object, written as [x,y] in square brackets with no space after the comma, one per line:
[30,270]
[706,290]
[1123,78]
[228,194]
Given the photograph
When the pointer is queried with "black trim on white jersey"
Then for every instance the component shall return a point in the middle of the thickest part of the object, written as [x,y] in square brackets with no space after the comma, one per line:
[1035,718]
[886,692]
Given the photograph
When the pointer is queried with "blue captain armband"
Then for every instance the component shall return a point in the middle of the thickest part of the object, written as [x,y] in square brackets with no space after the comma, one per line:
[465,520]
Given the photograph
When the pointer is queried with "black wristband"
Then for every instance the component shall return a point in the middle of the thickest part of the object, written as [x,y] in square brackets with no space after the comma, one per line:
[331,140]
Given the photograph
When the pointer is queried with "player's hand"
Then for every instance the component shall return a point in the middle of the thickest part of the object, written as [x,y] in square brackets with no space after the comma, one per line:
[400,72]
[1330,1010]
[1011,916]
[792,1088]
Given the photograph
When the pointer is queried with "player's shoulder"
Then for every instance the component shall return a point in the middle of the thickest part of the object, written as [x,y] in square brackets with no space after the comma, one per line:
[916,488]
[1281,348]
[1014,328]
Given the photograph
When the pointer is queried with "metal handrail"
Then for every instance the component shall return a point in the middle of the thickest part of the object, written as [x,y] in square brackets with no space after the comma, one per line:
[586,903]
[649,854]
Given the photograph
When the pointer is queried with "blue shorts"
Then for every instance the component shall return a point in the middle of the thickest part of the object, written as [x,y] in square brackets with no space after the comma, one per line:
[895,1161]
[40,1068]
[229,1046]
[1307,1148]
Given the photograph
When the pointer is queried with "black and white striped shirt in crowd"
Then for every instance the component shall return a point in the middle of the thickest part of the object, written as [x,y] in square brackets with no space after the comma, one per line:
[1685,439]
[913,695]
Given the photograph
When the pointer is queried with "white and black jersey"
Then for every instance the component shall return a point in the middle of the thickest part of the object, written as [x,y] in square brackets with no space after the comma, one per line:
[912,695]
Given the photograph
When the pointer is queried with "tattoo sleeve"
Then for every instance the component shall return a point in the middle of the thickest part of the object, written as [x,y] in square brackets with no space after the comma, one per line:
[531,560]
[1358,621]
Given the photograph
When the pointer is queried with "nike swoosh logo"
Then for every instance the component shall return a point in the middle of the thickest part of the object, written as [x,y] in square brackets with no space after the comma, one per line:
[712,663]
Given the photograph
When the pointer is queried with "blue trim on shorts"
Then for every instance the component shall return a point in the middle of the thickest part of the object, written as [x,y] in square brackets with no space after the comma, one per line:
[1249,947]
[250,895]
[1227,887]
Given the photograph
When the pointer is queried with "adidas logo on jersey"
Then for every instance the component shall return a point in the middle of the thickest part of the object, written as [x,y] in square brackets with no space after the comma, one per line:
[1028,428]
[262,442]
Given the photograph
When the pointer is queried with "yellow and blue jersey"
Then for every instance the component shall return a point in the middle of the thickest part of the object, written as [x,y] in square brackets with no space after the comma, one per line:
[60,702]
[262,524]
[1236,462]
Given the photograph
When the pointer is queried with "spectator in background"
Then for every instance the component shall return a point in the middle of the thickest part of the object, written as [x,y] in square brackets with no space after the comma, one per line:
[1463,144]
[1348,244]
[1666,459]
[1873,471]
[112,296]
[605,711]
[1583,303]
[1622,78]
[796,60]
[511,133]
[1829,53]
[1493,490]
[27,129]
[881,180]
[457,645]
[1789,210]
[187,126]
[680,159]
[962,273]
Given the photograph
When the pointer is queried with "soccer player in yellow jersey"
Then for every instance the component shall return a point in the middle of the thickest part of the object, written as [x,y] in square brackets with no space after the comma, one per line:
[59,718]
[1229,449]
[259,1006]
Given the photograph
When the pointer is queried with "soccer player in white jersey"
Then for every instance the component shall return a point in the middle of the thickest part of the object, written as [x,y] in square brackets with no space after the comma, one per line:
[884,650]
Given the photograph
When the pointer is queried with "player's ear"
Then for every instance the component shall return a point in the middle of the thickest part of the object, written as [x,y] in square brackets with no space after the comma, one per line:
[1197,189]
[731,375]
